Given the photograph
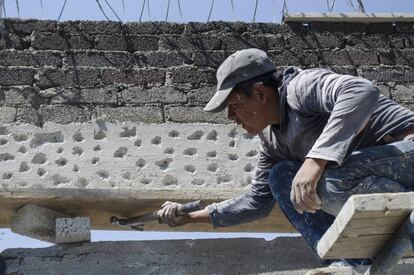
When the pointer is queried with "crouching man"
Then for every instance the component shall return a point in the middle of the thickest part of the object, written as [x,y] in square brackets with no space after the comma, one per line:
[324,137]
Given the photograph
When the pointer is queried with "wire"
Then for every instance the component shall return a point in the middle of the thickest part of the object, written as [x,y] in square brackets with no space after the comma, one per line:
[18,8]
[148,8]
[41,6]
[284,8]
[61,11]
[211,10]
[142,11]
[232,9]
[1,8]
[168,10]
[102,10]
[179,9]
[361,7]
[113,11]
[331,5]
[255,10]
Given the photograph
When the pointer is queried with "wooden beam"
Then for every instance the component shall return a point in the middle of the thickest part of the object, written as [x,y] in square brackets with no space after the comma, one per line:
[348,17]
[101,204]
[365,224]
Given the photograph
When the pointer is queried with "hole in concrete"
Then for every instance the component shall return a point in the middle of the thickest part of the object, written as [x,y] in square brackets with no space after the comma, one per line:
[190,151]
[233,133]
[248,136]
[59,150]
[3,131]
[3,141]
[43,138]
[23,183]
[20,137]
[196,135]
[156,140]
[212,135]
[22,150]
[223,179]
[126,175]
[24,167]
[77,151]
[128,132]
[61,162]
[41,172]
[145,181]
[6,157]
[164,163]
[251,153]
[169,151]
[39,158]
[75,168]
[189,168]
[58,179]
[112,184]
[169,180]
[95,160]
[78,137]
[97,148]
[138,143]
[233,156]
[212,167]
[121,152]
[81,182]
[7,176]
[197,182]
[103,174]
[248,167]
[140,162]
[212,154]
[99,135]
[173,133]
[232,143]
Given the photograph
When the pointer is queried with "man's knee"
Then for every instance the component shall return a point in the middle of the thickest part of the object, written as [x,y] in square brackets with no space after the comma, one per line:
[281,176]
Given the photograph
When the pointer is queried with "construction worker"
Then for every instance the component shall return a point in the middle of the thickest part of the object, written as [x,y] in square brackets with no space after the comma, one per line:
[324,137]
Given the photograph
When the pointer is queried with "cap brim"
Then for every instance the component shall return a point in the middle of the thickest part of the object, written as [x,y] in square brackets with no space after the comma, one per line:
[218,102]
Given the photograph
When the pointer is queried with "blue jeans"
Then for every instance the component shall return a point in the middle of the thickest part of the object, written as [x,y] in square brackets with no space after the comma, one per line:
[378,169]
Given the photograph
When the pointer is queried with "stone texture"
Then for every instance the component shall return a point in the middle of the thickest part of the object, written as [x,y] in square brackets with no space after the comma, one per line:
[36,222]
[162,94]
[64,114]
[29,58]
[73,230]
[145,114]
[69,78]
[7,114]
[183,114]
[16,76]
[168,257]
[136,77]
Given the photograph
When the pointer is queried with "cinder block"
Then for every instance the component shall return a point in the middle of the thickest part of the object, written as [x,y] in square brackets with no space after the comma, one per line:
[153,28]
[65,114]
[138,77]
[90,27]
[36,222]
[99,59]
[73,78]
[193,42]
[26,58]
[127,43]
[16,76]
[73,230]
[146,114]
[193,114]
[7,114]
[50,41]
[193,75]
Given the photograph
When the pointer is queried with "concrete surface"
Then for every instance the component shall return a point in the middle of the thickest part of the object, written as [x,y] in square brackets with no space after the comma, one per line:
[36,222]
[73,230]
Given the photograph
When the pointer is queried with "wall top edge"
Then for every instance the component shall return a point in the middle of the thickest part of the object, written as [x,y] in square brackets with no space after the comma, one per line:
[349,17]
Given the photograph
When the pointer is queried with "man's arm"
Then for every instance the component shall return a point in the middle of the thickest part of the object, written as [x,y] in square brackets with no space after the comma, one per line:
[349,101]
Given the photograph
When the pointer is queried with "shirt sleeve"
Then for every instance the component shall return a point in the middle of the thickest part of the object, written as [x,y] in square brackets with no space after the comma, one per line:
[254,205]
[348,100]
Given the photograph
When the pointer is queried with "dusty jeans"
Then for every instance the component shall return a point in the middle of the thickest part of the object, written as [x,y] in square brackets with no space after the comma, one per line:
[379,169]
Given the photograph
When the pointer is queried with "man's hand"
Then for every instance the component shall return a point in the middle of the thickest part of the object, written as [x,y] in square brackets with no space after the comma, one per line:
[303,194]
[171,214]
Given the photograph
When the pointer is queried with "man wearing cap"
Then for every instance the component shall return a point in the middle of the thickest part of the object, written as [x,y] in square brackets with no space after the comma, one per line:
[324,137]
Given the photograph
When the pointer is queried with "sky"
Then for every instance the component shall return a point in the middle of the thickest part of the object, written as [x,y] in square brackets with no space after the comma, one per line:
[191,10]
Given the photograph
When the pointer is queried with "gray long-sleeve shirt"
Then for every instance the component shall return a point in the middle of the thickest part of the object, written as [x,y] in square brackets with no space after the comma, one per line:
[325,115]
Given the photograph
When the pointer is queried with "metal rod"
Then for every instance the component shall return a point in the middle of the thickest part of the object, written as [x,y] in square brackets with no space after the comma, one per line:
[394,250]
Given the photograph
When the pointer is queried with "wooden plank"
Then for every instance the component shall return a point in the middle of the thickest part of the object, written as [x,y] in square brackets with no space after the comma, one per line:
[101,204]
[348,17]
[355,235]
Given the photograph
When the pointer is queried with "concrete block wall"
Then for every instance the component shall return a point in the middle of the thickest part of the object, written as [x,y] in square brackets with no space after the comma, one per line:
[104,105]
[78,71]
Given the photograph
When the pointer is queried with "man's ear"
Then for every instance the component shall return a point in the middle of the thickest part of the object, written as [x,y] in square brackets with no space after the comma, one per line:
[259,92]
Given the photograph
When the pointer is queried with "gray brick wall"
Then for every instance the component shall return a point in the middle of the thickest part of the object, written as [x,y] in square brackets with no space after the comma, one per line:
[156,72]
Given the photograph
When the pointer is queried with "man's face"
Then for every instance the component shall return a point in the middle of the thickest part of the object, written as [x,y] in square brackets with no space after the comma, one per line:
[246,111]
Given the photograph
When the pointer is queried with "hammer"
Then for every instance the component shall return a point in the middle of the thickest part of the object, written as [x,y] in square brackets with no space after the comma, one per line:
[137,222]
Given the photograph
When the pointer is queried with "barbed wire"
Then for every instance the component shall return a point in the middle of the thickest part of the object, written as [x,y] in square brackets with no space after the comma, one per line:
[146,3]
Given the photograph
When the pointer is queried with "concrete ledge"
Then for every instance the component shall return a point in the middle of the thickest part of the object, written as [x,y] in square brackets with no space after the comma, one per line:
[349,17]
[287,256]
